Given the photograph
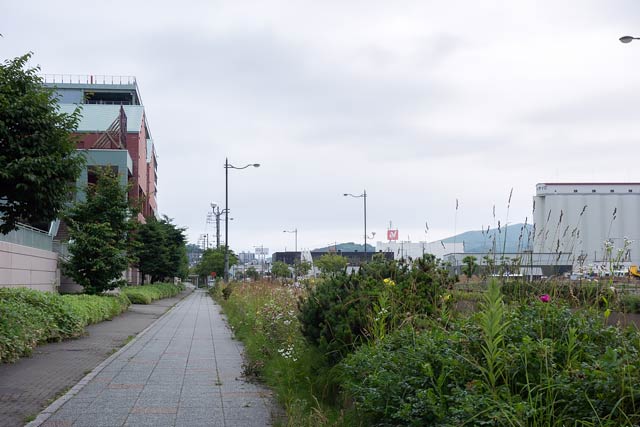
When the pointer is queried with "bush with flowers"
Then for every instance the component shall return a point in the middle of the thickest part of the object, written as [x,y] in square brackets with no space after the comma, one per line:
[536,363]
[344,311]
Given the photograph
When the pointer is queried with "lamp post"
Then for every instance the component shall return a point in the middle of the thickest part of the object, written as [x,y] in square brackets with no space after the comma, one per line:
[628,39]
[364,197]
[295,231]
[228,166]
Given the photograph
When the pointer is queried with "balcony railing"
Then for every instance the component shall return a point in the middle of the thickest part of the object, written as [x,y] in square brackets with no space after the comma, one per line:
[89,79]
[29,236]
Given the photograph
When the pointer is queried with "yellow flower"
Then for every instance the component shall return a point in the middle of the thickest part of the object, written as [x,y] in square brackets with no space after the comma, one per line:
[447,297]
[389,282]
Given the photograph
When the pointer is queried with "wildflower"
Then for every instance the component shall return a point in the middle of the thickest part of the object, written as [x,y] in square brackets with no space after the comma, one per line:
[545,298]
[389,282]
[447,297]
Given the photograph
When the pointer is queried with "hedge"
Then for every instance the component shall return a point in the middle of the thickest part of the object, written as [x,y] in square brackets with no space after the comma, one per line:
[146,294]
[29,317]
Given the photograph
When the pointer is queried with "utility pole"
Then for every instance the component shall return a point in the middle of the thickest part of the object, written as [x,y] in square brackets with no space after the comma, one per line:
[214,216]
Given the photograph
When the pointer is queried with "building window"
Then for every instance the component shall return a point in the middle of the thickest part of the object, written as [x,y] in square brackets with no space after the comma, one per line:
[611,191]
[593,191]
[630,191]
[575,191]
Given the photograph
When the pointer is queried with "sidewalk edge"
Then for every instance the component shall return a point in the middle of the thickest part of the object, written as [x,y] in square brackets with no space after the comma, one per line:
[53,407]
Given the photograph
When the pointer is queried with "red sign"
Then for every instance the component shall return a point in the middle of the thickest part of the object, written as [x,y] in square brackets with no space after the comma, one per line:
[213,274]
[392,234]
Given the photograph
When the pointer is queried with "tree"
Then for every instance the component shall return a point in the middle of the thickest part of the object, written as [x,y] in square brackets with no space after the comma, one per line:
[39,163]
[470,266]
[301,268]
[280,269]
[161,250]
[99,231]
[332,264]
[252,273]
[213,261]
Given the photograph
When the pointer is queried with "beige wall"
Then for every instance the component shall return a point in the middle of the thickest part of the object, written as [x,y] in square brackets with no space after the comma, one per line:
[23,266]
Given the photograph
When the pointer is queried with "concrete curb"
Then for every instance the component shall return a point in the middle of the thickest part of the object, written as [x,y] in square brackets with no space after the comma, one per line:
[51,409]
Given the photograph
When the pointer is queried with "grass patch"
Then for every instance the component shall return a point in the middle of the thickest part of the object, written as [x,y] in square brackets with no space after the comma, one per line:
[29,317]
[264,317]
[146,294]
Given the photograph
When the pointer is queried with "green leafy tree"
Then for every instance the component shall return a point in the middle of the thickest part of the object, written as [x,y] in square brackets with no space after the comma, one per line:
[38,160]
[252,273]
[213,261]
[280,269]
[99,230]
[301,268]
[470,266]
[161,249]
[332,264]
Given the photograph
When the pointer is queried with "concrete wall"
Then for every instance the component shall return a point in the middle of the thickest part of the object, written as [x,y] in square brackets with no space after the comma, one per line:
[23,266]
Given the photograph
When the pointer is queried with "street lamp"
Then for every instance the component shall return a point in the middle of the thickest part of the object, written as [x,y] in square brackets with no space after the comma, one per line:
[364,196]
[295,230]
[228,166]
[628,39]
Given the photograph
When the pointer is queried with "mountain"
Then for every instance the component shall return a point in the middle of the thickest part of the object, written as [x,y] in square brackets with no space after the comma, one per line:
[345,247]
[518,238]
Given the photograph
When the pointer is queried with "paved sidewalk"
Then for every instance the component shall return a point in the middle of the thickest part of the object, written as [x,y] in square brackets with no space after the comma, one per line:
[30,384]
[185,370]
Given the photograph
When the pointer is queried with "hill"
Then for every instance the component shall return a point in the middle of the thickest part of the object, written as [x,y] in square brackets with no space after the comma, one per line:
[518,238]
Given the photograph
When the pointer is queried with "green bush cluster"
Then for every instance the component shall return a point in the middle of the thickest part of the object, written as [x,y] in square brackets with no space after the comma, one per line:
[574,293]
[343,311]
[146,294]
[630,303]
[29,317]
[531,364]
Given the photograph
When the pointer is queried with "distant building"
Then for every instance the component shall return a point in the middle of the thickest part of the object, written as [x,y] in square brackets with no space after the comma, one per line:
[246,257]
[416,250]
[353,258]
[577,219]
[523,264]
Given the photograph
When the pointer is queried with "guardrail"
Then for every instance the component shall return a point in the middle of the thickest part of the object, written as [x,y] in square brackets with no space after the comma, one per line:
[26,235]
[89,79]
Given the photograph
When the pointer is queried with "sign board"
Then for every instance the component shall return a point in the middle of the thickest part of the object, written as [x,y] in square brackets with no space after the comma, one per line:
[213,274]
[392,234]
[262,251]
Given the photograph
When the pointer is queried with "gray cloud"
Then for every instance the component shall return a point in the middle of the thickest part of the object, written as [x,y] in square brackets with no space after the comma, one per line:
[421,104]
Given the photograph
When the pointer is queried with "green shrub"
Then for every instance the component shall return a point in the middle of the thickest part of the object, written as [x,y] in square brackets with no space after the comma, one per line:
[263,316]
[146,294]
[29,317]
[575,293]
[630,303]
[550,366]
[343,311]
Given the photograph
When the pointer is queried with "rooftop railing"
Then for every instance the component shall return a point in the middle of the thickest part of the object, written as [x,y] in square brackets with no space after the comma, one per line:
[89,79]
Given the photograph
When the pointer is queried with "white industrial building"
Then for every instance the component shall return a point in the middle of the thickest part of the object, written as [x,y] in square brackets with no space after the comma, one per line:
[578,218]
[418,249]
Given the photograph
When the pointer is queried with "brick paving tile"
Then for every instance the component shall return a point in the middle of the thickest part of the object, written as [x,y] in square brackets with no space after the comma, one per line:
[30,384]
[170,375]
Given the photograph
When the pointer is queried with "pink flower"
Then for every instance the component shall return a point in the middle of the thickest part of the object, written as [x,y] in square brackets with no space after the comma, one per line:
[544,298]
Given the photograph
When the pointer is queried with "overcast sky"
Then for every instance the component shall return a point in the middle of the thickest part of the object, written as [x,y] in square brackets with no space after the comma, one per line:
[418,102]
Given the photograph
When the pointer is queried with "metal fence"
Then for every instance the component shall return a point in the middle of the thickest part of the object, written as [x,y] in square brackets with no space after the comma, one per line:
[89,79]
[29,236]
